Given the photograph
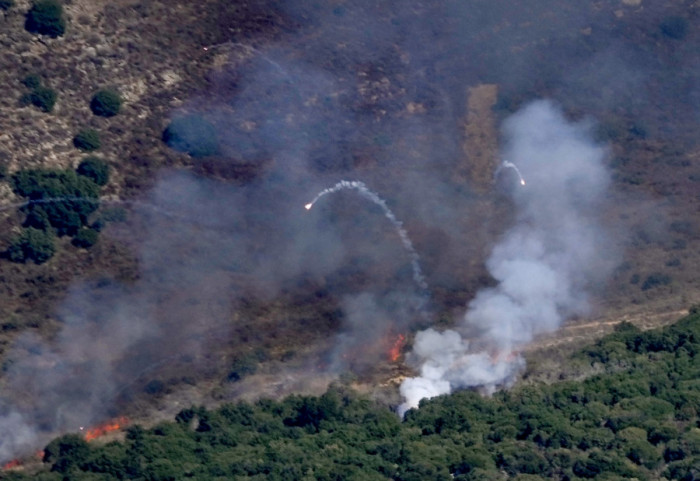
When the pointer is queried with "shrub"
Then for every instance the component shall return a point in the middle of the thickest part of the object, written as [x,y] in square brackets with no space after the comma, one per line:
[106,103]
[33,244]
[654,280]
[87,140]
[46,18]
[85,238]
[44,98]
[242,367]
[674,27]
[154,387]
[31,81]
[95,169]
[6,4]
[192,134]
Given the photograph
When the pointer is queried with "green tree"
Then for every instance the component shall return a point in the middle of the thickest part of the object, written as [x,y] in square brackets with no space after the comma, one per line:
[66,452]
[95,169]
[32,245]
[87,140]
[106,103]
[46,18]
[62,197]
[674,27]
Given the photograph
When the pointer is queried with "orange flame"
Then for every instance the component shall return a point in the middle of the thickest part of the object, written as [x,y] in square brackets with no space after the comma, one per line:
[15,463]
[108,427]
[395,350]
[504,356]
[18,463]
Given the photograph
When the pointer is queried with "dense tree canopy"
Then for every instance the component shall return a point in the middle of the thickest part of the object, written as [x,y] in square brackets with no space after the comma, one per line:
[59,198]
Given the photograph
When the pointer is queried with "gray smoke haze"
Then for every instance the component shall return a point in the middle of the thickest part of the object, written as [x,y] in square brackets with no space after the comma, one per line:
[205,252]
[545,265]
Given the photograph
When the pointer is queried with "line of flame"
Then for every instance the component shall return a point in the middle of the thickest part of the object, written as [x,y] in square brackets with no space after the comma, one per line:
[108,427]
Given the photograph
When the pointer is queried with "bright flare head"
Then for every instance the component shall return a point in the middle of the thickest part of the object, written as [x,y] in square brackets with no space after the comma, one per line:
[308,206]
[522,182]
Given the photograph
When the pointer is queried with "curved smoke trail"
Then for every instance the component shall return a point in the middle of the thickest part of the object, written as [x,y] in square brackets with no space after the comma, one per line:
[418,276]
[509,165]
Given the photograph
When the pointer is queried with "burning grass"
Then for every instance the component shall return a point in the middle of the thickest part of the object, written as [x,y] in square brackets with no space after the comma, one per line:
[100,430]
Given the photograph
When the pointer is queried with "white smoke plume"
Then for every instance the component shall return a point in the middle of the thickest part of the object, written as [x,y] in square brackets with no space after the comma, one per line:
[544,265]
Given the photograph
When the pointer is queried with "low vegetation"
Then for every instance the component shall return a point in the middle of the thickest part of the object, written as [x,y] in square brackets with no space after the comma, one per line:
[40,96]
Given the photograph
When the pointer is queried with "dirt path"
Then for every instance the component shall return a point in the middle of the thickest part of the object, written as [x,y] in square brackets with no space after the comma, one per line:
[587,332]
[480,138]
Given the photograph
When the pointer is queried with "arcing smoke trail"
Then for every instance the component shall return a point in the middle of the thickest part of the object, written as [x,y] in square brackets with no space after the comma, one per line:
[405,240]
[510,165]
[544,264]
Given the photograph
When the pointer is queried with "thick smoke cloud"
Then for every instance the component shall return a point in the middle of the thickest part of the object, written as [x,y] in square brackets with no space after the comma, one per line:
[545,265]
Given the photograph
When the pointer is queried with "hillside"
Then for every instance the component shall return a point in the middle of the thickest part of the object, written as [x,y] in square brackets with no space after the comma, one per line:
[194,275]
